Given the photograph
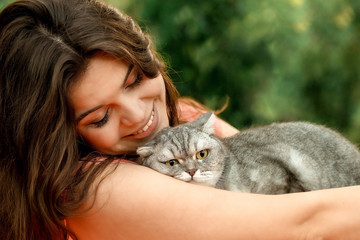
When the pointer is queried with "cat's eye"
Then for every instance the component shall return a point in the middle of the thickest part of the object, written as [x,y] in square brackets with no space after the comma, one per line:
[202,154]
[172,162]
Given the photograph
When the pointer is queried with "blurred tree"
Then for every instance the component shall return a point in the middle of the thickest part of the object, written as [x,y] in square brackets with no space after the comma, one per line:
[3,3]
[277,60]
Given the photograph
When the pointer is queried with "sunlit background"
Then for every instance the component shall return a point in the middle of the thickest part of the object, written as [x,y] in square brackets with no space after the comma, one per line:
[275,60]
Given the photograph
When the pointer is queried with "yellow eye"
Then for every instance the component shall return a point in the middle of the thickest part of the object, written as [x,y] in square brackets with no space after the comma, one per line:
[172,162]
[202,154]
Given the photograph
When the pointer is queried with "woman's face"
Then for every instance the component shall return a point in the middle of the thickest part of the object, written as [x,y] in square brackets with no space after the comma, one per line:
[117,109]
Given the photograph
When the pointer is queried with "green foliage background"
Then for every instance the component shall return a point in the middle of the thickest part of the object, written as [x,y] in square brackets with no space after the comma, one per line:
[276,60]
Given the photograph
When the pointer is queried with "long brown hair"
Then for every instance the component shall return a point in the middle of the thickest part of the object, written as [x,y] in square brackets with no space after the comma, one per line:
[45,45]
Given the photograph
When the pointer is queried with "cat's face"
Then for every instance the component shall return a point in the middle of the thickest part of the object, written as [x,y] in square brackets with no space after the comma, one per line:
[188,152]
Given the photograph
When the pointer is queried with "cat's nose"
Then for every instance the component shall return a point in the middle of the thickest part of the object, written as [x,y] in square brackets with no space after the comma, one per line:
[192,172]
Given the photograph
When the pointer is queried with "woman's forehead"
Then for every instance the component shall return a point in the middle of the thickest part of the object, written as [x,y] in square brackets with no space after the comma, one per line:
[103,74]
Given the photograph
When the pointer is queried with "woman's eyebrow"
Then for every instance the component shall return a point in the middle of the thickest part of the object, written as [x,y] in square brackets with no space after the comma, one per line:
[83,115]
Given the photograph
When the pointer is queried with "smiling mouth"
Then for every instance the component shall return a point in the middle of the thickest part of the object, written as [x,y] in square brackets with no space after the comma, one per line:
[147,125]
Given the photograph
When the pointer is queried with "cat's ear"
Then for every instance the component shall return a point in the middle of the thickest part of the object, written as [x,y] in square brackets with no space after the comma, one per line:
[144,151]
[207,122]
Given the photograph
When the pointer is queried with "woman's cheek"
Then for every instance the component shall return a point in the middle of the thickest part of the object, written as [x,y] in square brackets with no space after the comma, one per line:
[103,139]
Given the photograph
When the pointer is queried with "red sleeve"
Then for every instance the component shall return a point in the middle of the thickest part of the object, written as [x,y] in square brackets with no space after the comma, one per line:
[188,113]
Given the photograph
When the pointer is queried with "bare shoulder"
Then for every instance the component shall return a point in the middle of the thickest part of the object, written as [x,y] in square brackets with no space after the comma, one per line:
[224,129]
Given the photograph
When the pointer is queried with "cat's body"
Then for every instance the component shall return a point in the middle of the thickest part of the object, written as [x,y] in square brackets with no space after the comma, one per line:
[274,159]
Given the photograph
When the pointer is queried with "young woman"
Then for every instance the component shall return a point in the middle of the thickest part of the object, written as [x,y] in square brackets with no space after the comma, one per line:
[80,89]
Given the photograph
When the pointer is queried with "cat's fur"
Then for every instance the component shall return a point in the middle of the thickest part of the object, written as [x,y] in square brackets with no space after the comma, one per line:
[274,159]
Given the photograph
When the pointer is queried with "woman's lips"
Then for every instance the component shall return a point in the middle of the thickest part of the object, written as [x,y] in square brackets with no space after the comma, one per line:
[147,125]
[148,129]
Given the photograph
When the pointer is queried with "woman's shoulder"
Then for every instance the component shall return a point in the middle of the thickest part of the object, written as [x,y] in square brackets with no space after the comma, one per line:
[189,110]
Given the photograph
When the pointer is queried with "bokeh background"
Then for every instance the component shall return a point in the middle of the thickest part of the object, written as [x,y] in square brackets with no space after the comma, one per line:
[274,60]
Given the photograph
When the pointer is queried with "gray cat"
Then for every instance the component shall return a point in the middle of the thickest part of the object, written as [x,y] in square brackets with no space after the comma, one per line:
[274,159]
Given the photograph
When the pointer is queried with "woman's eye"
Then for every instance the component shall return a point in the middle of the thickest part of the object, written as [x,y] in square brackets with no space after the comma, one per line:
[172,162]
[103,121]
[202,154]
[135,79]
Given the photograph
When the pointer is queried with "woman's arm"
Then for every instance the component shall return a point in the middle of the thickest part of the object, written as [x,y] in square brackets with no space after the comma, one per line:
[135,202]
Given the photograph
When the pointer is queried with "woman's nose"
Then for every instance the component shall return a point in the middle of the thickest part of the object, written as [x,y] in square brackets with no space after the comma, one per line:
[131,112]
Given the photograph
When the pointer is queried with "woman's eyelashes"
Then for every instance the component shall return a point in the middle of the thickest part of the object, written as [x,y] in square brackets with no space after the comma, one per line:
[103,121]
[135,79]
